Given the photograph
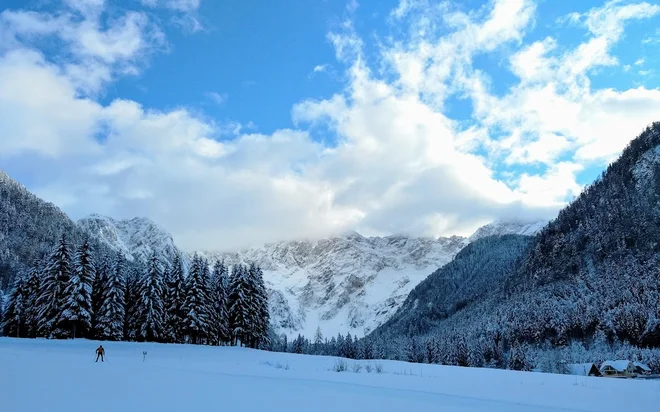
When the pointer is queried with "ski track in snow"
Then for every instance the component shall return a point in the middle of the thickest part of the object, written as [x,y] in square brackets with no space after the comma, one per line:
[53,376]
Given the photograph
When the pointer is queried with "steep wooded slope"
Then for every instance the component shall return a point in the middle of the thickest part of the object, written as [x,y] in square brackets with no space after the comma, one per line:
[592,274]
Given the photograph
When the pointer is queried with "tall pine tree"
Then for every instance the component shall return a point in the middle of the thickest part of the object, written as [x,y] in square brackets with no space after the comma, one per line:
[32,288]
[176,295]
[196,317]
[151,310]
[77,308]
[258,302]
[110,321]
[132,299]
[15,312]
[220,314]
[99,289]
[240,306]
[51,295]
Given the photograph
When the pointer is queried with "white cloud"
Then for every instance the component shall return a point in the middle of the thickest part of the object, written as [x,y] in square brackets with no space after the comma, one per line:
[320,68]
[177,5]
[187,12]
[352,6]
[97,53]
[400,163]
[217,98]
[553,187]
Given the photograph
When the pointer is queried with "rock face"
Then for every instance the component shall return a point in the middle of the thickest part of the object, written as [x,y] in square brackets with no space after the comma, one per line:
[351,283]
[343,284]
[135,238]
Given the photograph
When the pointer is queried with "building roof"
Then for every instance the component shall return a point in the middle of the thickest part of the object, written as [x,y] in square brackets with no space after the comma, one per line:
[582,369]
[619,365]
[642,366]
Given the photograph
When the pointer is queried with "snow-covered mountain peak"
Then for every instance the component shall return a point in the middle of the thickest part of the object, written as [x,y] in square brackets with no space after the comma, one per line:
[135,238]
[349,283]
[508,227]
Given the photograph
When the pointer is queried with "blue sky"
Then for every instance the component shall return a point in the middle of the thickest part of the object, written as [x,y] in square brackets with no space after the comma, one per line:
[397,116]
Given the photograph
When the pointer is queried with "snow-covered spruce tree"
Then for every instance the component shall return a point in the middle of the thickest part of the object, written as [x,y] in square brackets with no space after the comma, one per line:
[432,355]
[50,301]
[258,303]
[32,288]
[77,308]
[263,309]
[318,336]
[414,352]
[240,306]
[219,312]
[14,314]
[132,299]
[209,333]
[110,320]
[151,310]
[462,355]
[99,288]
[518,358]
[176,295]
[195,316]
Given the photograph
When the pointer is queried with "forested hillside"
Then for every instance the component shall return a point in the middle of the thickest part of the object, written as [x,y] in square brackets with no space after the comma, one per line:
[29,229]
[470,277]
[590,278]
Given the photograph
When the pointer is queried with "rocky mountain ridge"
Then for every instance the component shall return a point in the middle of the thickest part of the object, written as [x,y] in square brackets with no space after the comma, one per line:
[348,283]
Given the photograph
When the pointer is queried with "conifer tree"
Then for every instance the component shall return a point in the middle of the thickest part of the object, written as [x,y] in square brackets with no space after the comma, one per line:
[219,297]
[262,310]
[432,351]
[239,306]
[77,308]
[110,322]
[318,336]
[99,288]
[518,359]
[209,333]
[176,295]
[32,288]
[151,303]
[195,318]
[368,349]
[252,332]
[14,314]
[55,280]
[461,351]
[132,299]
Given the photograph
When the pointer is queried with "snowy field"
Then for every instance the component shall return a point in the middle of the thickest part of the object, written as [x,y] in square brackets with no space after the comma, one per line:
[53,376]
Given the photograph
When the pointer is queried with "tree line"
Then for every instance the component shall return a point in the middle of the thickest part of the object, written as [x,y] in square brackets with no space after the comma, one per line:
[73,295]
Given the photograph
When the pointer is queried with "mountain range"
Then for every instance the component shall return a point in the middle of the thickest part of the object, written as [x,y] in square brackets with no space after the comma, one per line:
[342,284]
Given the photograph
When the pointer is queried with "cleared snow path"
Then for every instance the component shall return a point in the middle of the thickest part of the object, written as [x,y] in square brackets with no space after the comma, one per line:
[53,376]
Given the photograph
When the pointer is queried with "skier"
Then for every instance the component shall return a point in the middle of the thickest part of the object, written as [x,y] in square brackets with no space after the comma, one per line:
[100,352]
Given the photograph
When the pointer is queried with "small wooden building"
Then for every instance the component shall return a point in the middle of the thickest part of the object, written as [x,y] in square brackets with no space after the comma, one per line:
[583,369]
[618,369]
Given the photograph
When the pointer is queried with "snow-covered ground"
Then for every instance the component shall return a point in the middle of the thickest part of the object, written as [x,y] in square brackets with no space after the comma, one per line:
[53,376]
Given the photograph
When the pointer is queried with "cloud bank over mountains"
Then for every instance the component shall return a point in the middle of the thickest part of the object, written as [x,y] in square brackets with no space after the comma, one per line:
[401,160]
